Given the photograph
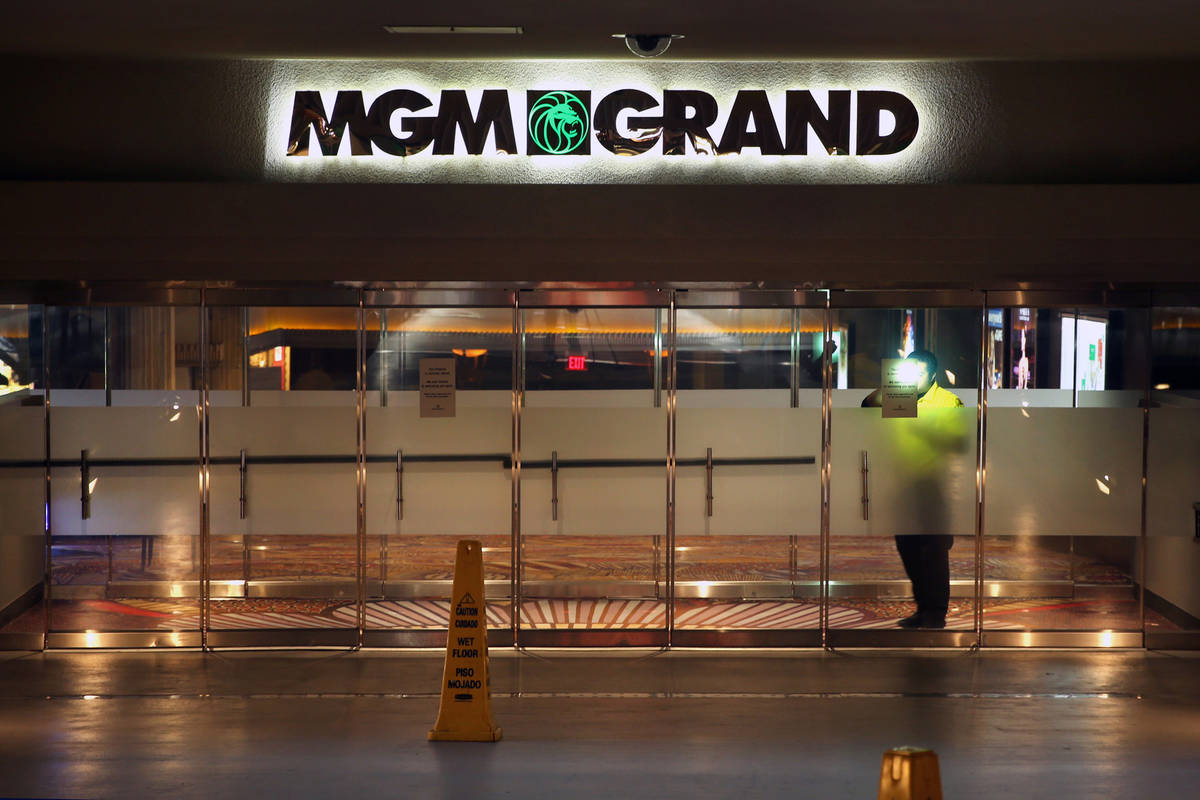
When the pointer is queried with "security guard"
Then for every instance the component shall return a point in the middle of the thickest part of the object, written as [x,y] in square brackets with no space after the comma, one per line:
[926,556]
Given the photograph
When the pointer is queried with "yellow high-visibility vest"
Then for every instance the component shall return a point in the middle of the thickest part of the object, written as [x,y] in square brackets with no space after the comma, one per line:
[937,397]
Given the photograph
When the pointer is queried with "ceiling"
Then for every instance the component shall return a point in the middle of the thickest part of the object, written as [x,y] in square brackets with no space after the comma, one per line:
[746,30]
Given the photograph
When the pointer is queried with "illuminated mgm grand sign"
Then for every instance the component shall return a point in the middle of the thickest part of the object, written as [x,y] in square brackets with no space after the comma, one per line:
[628,122]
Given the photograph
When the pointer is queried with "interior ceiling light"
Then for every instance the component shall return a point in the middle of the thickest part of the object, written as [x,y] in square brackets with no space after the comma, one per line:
[444,29]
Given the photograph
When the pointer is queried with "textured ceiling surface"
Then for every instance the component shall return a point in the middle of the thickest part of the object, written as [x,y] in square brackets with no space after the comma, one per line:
[747,30]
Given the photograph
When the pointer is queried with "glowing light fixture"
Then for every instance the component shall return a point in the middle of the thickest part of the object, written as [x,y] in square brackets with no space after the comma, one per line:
[1162,387]
[950,377]
[1103,487]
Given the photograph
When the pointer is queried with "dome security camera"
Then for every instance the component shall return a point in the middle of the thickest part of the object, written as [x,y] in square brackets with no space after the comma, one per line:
[649,45]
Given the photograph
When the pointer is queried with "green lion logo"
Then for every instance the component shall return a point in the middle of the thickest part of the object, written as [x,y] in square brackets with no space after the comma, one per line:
[558,122]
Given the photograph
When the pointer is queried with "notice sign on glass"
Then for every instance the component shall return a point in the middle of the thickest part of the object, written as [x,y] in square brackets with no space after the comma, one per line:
[437,387]
[898,387]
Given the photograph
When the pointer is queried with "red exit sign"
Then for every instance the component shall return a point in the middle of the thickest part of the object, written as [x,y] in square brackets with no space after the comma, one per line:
[576,363]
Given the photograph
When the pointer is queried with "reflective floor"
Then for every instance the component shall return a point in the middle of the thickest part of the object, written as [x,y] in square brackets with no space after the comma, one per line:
[631,724]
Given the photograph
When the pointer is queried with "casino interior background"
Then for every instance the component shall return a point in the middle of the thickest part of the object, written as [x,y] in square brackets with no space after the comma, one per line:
[683,466]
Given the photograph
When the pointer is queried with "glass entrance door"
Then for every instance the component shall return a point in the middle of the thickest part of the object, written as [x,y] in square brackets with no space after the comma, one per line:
[904,458]
[1066,407]
[748,520]
[22,479]
[283,543]
[123,509]
[594,387]
[438,468]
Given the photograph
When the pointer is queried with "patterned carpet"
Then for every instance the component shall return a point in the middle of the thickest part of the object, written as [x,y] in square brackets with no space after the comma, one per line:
[95,561]
[550,613]
[85,560]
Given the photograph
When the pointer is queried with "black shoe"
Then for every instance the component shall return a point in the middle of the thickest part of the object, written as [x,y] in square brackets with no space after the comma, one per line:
[920,620]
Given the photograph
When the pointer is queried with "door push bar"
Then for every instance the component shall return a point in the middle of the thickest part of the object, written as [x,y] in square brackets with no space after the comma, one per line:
[85,492]
[866,487]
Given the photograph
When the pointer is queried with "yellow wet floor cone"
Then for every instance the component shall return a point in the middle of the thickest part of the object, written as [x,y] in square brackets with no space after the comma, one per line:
[466,711]
[910,773]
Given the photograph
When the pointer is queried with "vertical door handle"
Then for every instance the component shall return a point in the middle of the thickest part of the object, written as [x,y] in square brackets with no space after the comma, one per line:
[399,485]
[85,479]
[708,487]
[554,485]
[242,486]
[866,487]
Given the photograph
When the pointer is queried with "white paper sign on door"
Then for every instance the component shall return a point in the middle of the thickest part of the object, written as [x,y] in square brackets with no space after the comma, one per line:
[898,387]
[437,387]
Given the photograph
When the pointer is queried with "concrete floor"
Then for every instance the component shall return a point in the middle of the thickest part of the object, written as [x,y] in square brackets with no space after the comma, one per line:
[599,724]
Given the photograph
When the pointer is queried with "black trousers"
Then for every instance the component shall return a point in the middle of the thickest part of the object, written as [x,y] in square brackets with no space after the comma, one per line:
[926,560]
